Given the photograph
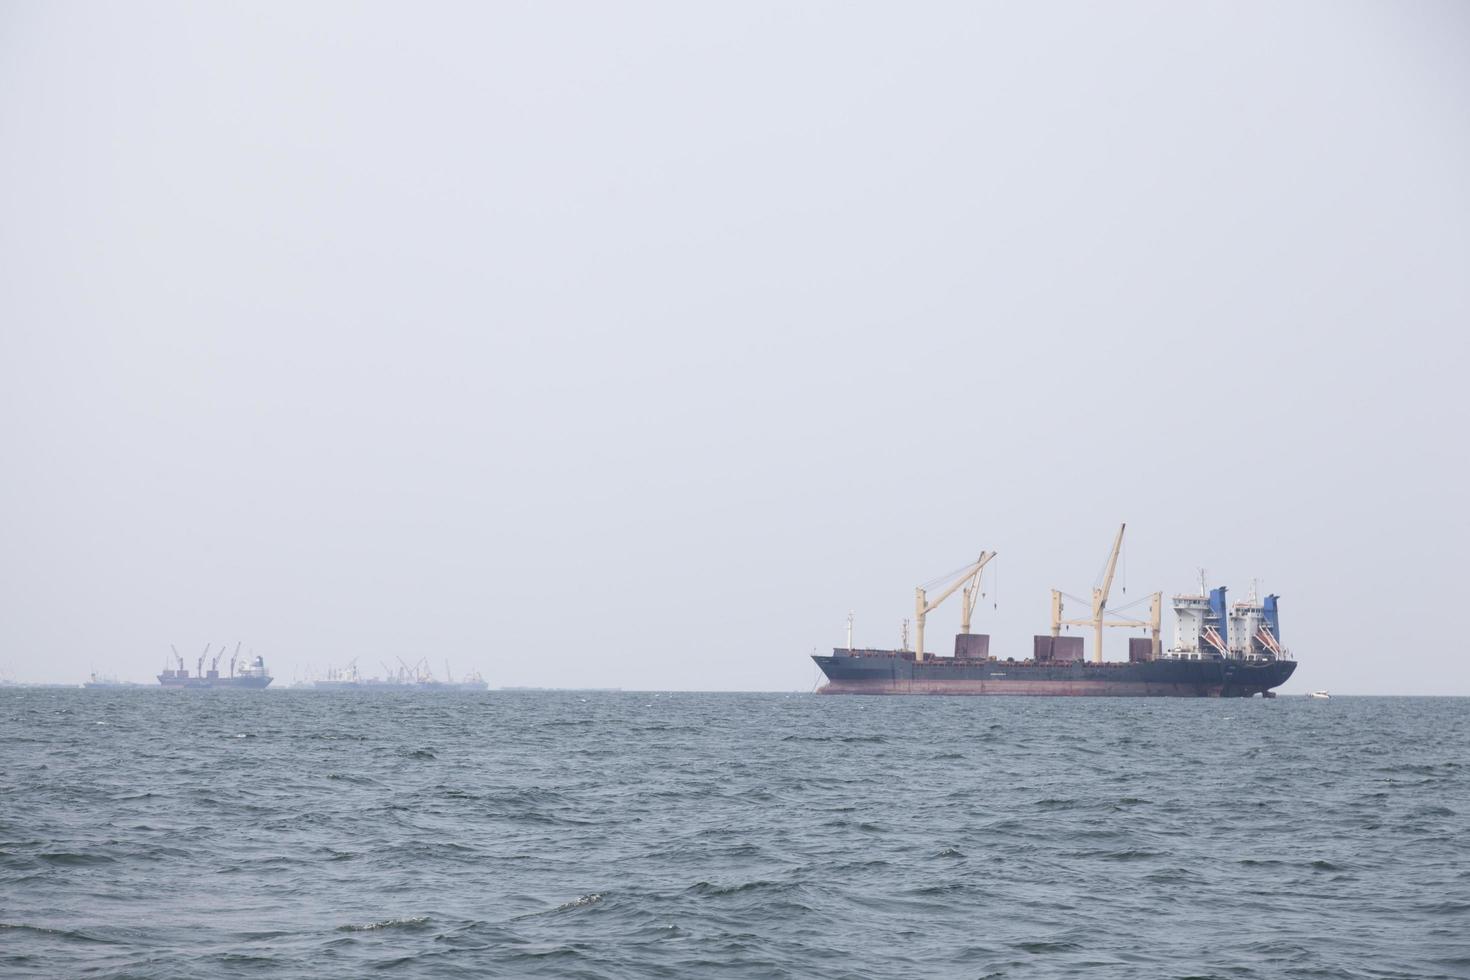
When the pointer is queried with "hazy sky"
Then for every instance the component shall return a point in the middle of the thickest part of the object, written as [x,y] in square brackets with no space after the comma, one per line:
[634,344]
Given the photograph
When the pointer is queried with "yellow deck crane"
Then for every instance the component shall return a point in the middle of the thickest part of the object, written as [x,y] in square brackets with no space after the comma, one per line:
[1100,605]
[969,577]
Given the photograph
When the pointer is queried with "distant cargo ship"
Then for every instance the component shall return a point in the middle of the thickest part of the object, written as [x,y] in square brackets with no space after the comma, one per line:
[379,684]
[99,681]
[1219,650]
[415,677]
[245,674]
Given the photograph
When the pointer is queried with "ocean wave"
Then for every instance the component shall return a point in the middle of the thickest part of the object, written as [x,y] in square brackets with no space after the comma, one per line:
[734,836]
[18,929]
[408,922]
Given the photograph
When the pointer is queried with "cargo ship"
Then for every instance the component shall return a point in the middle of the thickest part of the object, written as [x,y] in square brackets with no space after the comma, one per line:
[245,673]
[97,681]
[1219,649]
[415,677]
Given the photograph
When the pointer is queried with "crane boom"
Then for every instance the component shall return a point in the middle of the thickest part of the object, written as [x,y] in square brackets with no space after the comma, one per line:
[1100,594]
[971,595]
[1112,566]
[923,605]
[1100,606]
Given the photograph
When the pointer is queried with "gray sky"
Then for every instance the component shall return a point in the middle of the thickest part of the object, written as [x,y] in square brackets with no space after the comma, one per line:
[633,345]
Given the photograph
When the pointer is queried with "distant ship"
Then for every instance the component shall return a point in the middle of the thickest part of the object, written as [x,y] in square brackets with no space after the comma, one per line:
[251,673]
[1219,650]
[103,681]
[415,677]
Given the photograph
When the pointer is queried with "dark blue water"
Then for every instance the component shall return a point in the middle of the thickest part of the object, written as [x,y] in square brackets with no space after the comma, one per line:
[291,834]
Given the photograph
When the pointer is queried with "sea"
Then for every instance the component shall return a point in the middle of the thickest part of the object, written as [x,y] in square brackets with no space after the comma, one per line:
[298,834]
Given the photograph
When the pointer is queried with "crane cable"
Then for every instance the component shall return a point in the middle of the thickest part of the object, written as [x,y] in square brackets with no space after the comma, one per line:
[948,577]
[1130,605]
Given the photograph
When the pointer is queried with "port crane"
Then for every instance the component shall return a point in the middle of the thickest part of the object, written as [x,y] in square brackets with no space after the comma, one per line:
[969,578]
[1098,618]
[199,670]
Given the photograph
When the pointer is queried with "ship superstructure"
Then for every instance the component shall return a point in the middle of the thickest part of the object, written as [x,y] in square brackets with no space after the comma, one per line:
[1219,650]
[1207,627]
[245,673]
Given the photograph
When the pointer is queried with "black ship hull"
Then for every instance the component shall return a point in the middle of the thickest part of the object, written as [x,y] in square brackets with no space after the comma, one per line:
[890,672]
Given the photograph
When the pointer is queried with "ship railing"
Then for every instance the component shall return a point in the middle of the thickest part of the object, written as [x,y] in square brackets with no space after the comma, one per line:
[1285,654]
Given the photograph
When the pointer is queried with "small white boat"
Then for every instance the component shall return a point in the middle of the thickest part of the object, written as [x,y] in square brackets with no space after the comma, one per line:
[1320,695]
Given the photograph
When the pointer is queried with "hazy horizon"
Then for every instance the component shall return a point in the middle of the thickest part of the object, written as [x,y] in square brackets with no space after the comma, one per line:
[633,346]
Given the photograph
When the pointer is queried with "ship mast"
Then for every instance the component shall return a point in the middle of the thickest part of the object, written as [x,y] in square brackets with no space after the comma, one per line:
[923,606]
